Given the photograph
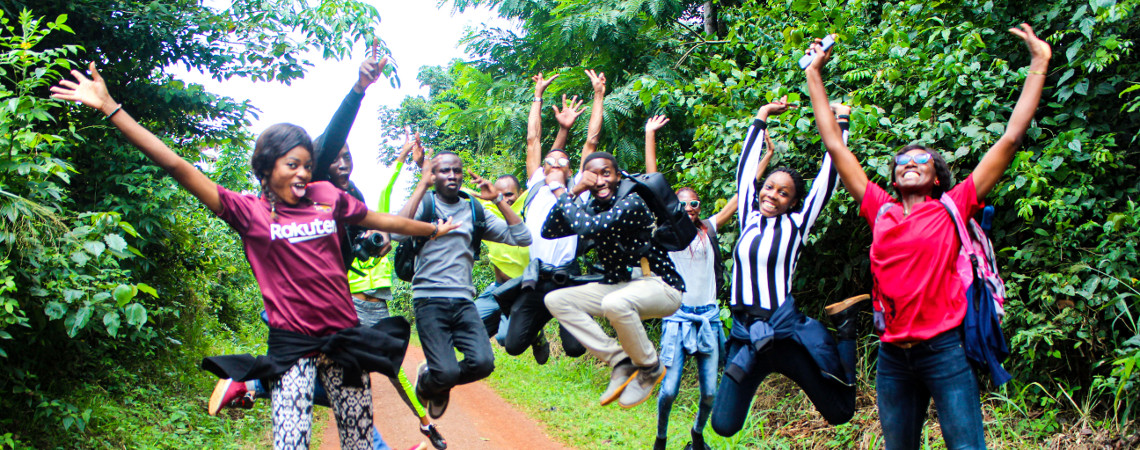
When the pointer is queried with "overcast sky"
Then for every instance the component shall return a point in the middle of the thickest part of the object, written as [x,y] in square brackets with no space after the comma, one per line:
[416,32]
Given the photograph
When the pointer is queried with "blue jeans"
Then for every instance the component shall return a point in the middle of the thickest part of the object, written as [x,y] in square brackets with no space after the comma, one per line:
[493,319]
[909,378]
[707,365]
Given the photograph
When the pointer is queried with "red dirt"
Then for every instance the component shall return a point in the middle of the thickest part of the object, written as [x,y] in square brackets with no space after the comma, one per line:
[476,418]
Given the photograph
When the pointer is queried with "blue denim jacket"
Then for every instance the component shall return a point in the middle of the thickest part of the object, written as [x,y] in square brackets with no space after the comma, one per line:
[786,323]
[692,332]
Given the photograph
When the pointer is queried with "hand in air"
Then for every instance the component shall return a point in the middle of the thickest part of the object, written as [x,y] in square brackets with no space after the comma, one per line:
[540,83]
[840,109]
[656,123]
[570,111]
[487,189]
[370,69]
[821,56]
[1039,50]
[89,91]
[598,81]
[446,226]
[418,152]
[774,108]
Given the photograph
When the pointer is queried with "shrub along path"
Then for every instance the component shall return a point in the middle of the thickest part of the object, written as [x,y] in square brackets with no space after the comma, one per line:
[477,418]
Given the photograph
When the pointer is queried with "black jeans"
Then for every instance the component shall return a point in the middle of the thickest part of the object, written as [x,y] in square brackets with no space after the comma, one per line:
[528,316]
[446,325]
[834,400]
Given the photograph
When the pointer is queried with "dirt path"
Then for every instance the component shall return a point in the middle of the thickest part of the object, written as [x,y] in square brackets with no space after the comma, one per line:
[477,418]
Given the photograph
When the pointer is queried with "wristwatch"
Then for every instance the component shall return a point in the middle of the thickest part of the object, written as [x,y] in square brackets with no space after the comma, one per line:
[499,199]
[555,186]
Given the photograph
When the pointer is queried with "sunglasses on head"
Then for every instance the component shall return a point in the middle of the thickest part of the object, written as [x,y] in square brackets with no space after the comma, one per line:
[904,159]
[557,162]
[692,203]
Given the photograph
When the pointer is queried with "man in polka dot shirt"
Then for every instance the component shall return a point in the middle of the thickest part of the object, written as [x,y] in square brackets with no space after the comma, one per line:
[621,229]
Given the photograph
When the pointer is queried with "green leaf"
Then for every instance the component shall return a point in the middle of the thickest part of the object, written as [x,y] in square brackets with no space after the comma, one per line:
[95,248]
[136,315]
[80,321]
[54,310]
[111,321]
[124,294]
[147,289]
[115,242]
[80,258]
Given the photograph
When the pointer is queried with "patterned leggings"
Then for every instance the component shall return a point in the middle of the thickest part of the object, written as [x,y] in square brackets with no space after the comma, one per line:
[292,401]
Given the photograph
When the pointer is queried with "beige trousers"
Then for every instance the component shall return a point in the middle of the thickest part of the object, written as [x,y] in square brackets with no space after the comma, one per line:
[625,305]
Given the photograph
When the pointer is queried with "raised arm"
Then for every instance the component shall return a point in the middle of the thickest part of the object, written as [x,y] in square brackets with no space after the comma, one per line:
[751,165]
[488,192]
[407,227]
[997,159]
[426,180]
[534,125]
[769,151]
[569,113]
[594,131]
[328,144]
[385,204]
[655,123]
[850,171]
[725,214]
[93,93]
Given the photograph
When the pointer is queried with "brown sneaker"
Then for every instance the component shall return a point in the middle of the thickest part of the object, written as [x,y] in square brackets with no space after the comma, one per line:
[640,389]
[623,373]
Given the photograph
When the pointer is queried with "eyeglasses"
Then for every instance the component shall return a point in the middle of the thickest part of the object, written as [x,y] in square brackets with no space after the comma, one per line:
[904,159]
[692,203]
[557,162]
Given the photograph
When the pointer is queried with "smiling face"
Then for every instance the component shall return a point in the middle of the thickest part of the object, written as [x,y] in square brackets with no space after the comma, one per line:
[913,177]
[556,155]
[777,195]
[448,170]
[341,169]
[686,197]
[508,188]
[608,178]
[290,175]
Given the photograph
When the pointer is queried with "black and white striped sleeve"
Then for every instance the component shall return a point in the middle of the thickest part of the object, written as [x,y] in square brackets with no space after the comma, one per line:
[821,191]
[746,168]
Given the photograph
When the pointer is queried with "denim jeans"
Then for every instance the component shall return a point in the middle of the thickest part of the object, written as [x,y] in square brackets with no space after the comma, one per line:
[446,325]
[493,319]
[707,365]
[909,378]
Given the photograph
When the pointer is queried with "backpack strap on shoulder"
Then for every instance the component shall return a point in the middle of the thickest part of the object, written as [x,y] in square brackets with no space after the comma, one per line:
[478,224]
[531,193]
[959,224]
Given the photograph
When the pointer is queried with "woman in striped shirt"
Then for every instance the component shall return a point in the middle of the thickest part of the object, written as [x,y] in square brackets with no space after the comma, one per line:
[768,333]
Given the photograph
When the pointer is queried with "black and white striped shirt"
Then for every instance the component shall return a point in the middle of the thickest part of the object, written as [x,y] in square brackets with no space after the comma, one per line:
[766,253]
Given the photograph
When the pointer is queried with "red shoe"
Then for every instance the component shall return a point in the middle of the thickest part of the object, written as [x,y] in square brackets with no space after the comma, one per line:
[228,393]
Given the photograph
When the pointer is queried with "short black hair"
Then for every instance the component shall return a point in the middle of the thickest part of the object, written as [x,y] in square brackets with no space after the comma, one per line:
[275,142]
[604,155]
[513,179]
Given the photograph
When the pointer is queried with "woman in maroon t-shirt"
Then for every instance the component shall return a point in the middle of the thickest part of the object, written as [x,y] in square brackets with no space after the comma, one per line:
[913,250]
[291,241]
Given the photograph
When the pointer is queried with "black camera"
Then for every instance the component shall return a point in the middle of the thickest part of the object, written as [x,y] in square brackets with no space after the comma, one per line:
[368,246]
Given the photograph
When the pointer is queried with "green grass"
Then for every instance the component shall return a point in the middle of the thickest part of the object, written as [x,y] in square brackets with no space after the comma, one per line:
[564,395]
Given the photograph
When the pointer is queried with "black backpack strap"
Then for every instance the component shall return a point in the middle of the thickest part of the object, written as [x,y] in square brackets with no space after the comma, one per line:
[531,194]
[478,226]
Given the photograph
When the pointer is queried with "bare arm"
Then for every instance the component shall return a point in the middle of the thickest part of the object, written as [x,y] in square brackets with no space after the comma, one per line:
[997,159]
[426,178]
[595,128]
[850,171]
[534,125]
[655,123]
[725,214]
[488,192]
[93,93]
[405,226]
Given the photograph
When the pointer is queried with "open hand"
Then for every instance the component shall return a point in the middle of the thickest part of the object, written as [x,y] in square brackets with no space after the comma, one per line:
[656,123]
[776,107]
[446,226]
[540,83]
[598,81]
[487,190]
[1039,50]
[370,69]
[570,111]
[89,91]
[418,152]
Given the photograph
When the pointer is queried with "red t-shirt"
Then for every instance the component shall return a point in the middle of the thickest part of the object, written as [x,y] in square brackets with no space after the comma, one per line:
[913,261]
[296,258]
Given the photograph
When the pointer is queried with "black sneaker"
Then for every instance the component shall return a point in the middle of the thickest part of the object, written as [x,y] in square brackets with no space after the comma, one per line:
[432,433]
[421,371]
[438,405]
[844,316]
[541,349]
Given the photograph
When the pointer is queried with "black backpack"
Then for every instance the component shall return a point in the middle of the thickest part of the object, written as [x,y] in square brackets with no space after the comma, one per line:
[405,259]
[673,229]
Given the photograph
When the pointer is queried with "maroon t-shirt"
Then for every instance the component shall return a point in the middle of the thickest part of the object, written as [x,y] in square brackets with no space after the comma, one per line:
[913,261]
[296,257]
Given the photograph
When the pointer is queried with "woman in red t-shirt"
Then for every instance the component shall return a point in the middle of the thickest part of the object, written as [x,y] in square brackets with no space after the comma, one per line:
[914,247]
[291,240]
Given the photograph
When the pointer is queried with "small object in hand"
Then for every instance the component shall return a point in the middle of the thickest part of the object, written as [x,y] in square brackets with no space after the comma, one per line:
[807,59]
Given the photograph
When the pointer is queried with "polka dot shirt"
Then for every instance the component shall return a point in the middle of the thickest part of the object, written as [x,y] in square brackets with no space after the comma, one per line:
[618,230]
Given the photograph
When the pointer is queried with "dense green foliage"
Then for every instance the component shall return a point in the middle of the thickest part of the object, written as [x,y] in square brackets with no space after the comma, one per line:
[114,282]
[944,73]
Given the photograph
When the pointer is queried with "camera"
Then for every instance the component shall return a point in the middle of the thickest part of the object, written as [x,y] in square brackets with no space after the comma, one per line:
[368,246]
